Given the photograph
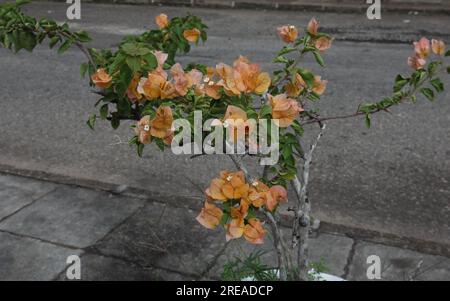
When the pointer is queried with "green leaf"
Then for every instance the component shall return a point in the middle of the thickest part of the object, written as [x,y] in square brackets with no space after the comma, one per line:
[433,66]
[400,82]
[53,41]
[28,40]
[280,59]
[286,49]
[225,218]
[265,110]
[134,63]
[140,149]
[91,121]
[159,143]
[104,111]
[115,122]
[66,45]
[367,121]
[135,49]
[134,140]
[438,85]
[307,76]
[83,69]
[83,36]
[319,59]
[151,62]
[428,93]
[447,53]
[448,69]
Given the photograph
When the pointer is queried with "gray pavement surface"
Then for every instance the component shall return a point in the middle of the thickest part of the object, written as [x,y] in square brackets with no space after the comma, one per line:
[123,238]
[393,178]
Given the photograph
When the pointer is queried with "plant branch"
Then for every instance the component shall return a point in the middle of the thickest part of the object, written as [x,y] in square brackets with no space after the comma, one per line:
[302,218]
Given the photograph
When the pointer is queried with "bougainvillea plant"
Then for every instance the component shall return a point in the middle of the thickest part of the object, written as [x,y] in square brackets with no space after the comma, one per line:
[142,82]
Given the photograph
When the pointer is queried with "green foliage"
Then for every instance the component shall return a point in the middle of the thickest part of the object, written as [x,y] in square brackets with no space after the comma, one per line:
[251,266]
[316,269]
[19,31]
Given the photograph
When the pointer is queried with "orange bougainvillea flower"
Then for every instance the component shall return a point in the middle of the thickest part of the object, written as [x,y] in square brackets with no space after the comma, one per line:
[191,35]
[438,46]
[101,79]
[142,130]
[209,85]
[313,27]
[253,79]
[422,48]
[231,80]
[323,43]
[278,195]
[235,186]
[230,185]
[295,87]
[319,85]
[243,77]
[161,125]
[258,194]
[288,33]
[254,231]
[210,216]
[236,123]
[214,192]
[284,109]
[235,113]
[156,86]
[416,62]
[132,92]
[162,21]
[235,229]
[184,81]
[151,86]
[161,58]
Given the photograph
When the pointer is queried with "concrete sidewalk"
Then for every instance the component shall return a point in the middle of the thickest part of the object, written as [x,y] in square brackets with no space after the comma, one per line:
[124,238]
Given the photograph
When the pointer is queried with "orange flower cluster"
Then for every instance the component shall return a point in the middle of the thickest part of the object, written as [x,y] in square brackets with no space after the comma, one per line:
[422,51]
[160,126]
[157,84]
[232,187]
[289,33]
[284,109]
[321,42]
[192,35]
[101,79]
[243,77]
[297,85]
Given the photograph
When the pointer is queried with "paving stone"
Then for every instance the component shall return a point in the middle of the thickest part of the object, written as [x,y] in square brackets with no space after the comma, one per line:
[398,264]
[332,250]
[100,268]
[36,187]
[17,192]
[72,216]
[166,237]
[30,259]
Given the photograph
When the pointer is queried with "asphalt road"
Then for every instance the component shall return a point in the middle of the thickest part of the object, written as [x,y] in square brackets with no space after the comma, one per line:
[393,178]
